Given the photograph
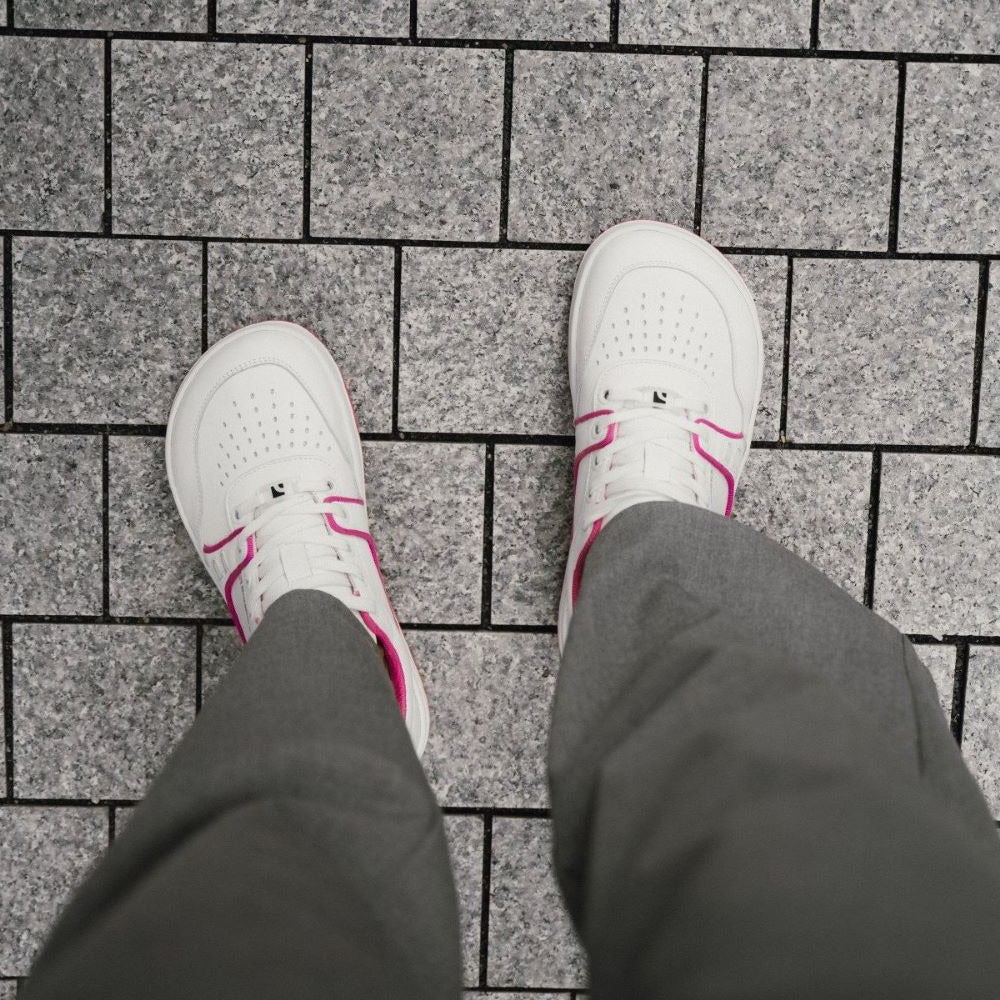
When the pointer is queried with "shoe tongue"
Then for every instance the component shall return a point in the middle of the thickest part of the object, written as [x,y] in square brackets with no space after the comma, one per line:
[270,481]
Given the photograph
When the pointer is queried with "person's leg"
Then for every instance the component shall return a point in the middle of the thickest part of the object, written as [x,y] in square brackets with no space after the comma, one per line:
[754,791]
[291,846]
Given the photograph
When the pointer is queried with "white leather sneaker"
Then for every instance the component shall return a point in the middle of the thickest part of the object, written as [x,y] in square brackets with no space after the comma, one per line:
[665,369]
[264,461]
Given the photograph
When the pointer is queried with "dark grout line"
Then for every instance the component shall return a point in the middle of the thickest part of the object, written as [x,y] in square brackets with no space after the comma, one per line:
[204,296]
[786,355]
[479,627]
[414,20]
[10,13]
[486,613]
[958,691]
[484,909]
[102,619]
[199,638]
[814,26]
[8,331]
[7,642]
[211,16]
[111,825]
[498,812]
[307,140]
[107,219]
[872,543]
[105,530]
[27,800]
[397,314]
[613,20]
[982,306]
[508,114]
[897,160]
[699,181]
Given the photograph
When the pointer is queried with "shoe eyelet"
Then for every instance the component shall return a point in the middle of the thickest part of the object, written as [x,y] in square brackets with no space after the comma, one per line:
[597,429]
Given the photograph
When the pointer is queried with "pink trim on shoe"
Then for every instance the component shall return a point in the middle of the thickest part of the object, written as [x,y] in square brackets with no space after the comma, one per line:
[591,415]
[207,549]
[394,665]
[231,582]
[343,500]
[595,530]
[603,443]
[716,464]
[354,533]
[735,435]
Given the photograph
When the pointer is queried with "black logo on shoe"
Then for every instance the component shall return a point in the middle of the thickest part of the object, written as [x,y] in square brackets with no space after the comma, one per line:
[278,491]
[659,397]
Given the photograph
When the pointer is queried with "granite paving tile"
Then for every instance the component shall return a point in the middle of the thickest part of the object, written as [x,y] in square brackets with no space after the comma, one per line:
[940,661]
[8,988]
[51,133]
[563,20]
[486,749]
[599,138]
[153,567]
[97,707]
[911,25]
[105,329]
[532,513]
[509,995]
[3,351]
[882,351]
[939,544]
[220,649]
[207,138]
[799,152]
[751,23]
[44,852]
[814,503]
[426,510]
[465,845]
[483,340]
[50,540]
[950,179]
[316,17]
[343,294]
[981,722]
[112,15]
[989,398]
[406,142]
[531,940]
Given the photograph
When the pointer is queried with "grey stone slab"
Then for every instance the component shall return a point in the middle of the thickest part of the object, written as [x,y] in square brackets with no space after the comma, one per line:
[950,179]
[465,846]
[989,398]
[532,514]
[113,15]
[220,649]
[207,138]
[814,503]
[153,567]
[981,722]
[513,995]
[564,20]
[939,544]
[490,694]
[483,340]
[316,17]
[343,294]
[3,354]
[97,707]
[911,25]
[598,138]
[940,661]
[51,133]
[882,351]
[767,279]
[426,512]
[798,152]
[757,23]
[106,329]
[50,542]
[8,988]
[406,142]
[44,852]
[531,940]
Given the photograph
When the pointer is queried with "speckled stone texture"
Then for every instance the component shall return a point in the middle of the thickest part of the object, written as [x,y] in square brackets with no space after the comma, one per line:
[799,152]
[112,15]
[940,661]
[153,567]
[406,142]
[531,940]
[911,25]
[989,398]
[485,747]
[207,138]
[425,502]
[342,294]
[97,707]
[483,340]
[50,545]
[465,846]
[316,17]
[8,987]
[950,180]
[44,852]
[882,351]
[598,138]
[939,544]
[220,649]
[532,511]
[767,279]
[981,722]
[814,503]
[3,353]
[564,20]
[51,133]
[106,329]
[761,23]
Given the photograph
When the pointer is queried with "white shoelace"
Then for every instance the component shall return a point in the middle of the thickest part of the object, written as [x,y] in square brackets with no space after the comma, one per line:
[652,456]
[291,531]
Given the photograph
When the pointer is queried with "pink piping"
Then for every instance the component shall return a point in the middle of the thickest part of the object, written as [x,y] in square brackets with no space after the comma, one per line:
[609,436]
[578,568]
[343,500]
[225,541]
[716,464]
[735,435]
[394,664]
[591,415]
[231,582]
[354,533]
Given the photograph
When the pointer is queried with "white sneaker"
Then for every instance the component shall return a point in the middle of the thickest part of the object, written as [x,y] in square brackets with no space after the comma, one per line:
[665,369]
[264,461]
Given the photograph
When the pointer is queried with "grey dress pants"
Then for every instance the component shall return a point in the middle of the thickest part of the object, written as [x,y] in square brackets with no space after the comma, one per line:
[754,795]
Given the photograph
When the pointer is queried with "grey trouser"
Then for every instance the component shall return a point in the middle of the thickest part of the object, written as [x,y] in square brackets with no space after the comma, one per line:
[754,795]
